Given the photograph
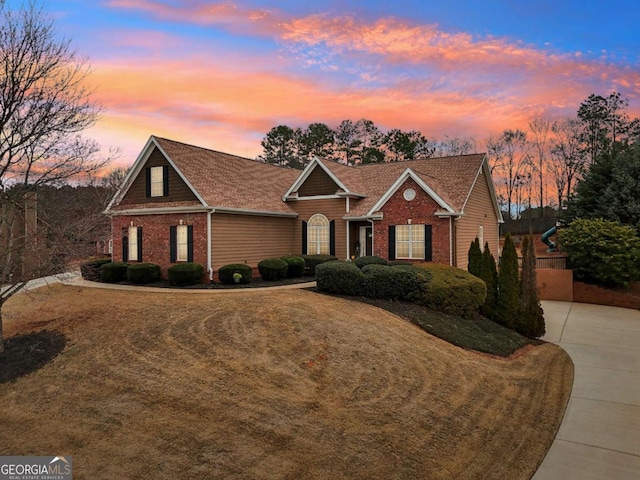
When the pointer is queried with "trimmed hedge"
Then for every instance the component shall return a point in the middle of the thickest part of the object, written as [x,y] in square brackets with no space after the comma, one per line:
[343,278]
[143,273]
[393,283]
[225,274]
[312,261]
[184,274]
[272,269]
[452,290]
[90,270]
[296,266]
[369,260]
[113,272]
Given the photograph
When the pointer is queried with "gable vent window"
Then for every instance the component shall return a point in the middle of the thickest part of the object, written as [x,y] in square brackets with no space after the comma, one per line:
[158,181]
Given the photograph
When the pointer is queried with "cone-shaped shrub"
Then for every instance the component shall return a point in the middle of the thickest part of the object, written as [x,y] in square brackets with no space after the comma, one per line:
[489,273]
[530,322]
[475,258]
[508,305]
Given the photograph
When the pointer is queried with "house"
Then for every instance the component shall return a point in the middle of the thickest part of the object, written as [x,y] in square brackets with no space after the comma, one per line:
[183,203]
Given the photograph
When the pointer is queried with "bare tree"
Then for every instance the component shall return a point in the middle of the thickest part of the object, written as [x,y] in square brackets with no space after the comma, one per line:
[540,128]
[568,157]
[454,146]
[508,155]
[44,108]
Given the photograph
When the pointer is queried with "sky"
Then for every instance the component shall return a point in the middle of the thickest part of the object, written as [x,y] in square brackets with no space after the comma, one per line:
[221,74]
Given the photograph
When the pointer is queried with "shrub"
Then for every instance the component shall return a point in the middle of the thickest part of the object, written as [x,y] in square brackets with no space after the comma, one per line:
[397,263]
[113,272]
[530,322]
[272,269]
[452,290]
[475,258]
[392,283]
[91,270]
[312,261]
[143,273]
[508,304]
[343,278]
[185,274]
[489,273]
[296,266]
[226,273]
[602,252]
[369,260]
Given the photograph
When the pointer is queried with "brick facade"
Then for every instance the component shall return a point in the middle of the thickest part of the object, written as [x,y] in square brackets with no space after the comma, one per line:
[421,211]
[155,236]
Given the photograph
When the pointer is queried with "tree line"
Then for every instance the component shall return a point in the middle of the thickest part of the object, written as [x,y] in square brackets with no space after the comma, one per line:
[532,169]
[354,142]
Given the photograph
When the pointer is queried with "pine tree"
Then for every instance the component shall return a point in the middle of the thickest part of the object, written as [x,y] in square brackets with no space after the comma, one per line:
[531,319]
[489,273]
[475,258]
[508,306]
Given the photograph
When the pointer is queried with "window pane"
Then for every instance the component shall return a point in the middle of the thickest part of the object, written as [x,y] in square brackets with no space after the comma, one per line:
[402,249]
[157,182]
[182,234]
[417,250]
[417,233]
[182,252]
[402,233]
[133,243]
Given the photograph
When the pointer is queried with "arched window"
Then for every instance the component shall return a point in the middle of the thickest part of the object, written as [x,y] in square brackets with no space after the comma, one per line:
[318,235]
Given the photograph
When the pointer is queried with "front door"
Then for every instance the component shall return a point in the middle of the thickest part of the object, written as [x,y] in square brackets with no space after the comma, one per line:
[366,241]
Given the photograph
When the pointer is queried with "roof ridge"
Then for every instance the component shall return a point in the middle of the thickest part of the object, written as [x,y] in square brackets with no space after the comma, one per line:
[223,153]
[396,162]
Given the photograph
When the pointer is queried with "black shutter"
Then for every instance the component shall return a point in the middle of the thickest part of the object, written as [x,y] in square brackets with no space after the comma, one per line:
[125,245]
[173,237]
[304,238]
[148,171]
[165,180]
[139,244]
[392,242]
[428,244]
[332,237]
[190,243]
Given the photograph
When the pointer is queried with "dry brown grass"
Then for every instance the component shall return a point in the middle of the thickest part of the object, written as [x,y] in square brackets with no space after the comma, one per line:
[286,384]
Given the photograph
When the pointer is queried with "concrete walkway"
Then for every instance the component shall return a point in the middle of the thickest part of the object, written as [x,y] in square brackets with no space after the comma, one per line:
[600,434]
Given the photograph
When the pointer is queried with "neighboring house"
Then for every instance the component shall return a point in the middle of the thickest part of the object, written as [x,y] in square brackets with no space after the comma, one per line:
[184,203]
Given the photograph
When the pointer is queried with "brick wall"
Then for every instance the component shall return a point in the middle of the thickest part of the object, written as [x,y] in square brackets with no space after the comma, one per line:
[155,236]
[421,211]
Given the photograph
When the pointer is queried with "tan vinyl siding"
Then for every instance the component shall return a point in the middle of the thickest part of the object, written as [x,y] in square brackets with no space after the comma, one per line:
[479,211]
[333,209]
[317,183]
[249,239]
[178,190]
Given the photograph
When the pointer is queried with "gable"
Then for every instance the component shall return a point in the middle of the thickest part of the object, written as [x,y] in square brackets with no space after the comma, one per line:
[318,183]
[179,191]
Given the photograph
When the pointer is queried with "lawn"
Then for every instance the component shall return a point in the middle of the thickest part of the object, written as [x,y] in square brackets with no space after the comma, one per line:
[284,384]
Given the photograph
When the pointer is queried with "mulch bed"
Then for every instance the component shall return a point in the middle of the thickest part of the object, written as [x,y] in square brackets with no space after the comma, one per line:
[27,353]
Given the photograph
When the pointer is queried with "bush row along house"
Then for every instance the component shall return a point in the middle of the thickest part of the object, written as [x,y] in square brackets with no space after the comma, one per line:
[182,203]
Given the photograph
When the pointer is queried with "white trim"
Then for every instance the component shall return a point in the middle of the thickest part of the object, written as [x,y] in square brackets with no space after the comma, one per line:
[448,214]
[347,206]
[450,241]
[259,213]
[314,197]
[408,173]
[158,211]
[305,174]
[136,168]
[209,269]
[348,242]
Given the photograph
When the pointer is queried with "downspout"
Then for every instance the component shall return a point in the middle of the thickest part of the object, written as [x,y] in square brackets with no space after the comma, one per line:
[450,242]
[209,269]
[348,233]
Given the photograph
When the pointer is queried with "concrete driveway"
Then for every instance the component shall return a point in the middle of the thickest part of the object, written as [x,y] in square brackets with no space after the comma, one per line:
[600,434]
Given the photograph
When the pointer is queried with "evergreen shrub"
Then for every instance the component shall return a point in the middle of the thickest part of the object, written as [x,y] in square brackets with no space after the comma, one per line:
[369,260]
[272,269]
[342,278]
[143,273]
[296,266]
[312,261]
[184,274]
[113,272]
[90,270]
[225,274]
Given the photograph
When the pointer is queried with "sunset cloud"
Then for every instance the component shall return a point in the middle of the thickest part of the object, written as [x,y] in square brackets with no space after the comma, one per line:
[327,67]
